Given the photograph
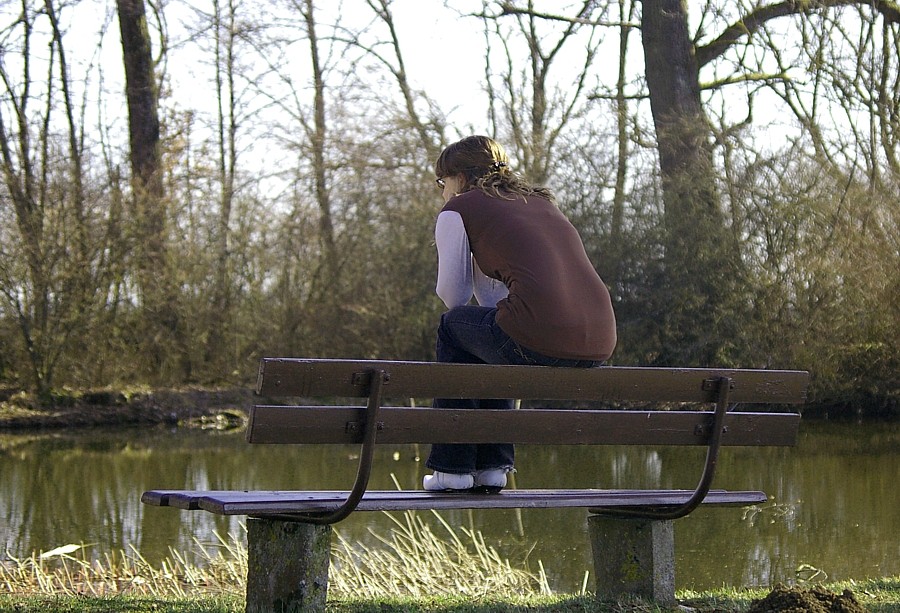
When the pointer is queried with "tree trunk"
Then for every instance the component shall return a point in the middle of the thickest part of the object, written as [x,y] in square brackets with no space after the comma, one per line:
[217,324]
[158,292]
[141,94]
[612,271]
[698,269]
[326,225]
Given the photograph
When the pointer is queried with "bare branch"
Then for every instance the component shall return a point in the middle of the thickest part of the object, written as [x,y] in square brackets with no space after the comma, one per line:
[510,9]
[746,78]
[754,20]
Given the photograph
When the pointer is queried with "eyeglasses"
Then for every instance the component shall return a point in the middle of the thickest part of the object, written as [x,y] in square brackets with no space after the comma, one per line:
[440,182]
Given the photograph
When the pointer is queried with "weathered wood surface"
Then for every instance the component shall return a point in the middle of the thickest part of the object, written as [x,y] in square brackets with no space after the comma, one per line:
[262,503]
[300,377]
[399,425]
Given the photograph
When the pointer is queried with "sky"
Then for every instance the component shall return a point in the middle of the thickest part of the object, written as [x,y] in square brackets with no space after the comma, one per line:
[442,51]
[444,55]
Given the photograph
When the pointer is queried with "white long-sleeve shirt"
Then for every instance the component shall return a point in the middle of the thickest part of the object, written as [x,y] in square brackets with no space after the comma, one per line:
[459,277]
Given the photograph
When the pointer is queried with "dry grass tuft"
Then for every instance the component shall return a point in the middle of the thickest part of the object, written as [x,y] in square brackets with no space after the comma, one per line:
[67,570]
[414,562]
[418,563]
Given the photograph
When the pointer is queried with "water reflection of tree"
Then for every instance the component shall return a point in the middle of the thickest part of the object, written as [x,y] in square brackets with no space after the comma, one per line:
[834,498]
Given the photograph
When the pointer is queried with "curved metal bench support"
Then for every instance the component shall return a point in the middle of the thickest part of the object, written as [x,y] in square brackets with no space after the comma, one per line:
[377,379]
[709,469]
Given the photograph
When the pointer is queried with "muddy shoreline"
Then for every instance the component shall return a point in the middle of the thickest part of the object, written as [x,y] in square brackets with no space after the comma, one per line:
[93,409]
[229,407]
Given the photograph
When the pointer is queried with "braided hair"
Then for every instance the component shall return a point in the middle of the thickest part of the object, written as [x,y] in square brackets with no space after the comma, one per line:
[484,164]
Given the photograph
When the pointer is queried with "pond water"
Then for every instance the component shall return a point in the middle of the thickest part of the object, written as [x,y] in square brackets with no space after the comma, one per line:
[834,507]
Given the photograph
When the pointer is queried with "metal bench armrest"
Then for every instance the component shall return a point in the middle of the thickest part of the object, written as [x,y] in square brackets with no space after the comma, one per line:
[377,379]
[709,469]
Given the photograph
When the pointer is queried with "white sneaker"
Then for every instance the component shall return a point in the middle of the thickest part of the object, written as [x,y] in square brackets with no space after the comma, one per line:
[493,479]
[440,482]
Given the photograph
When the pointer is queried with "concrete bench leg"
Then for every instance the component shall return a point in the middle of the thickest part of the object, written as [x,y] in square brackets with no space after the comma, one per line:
[287,566]
[634,557]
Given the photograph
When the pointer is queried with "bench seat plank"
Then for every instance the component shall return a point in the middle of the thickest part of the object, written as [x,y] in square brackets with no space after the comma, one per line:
[300,377]
[262,503]
[400,425]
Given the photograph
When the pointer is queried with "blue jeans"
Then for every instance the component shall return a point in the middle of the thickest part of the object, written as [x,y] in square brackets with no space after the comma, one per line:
[470,335]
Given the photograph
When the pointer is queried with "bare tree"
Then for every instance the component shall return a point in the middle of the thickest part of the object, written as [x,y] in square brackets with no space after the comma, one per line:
[545,112]
[318,138]
[430,132]
[225,36]
[701,257]
[49,255]
[701,267]
[143,127]
[613,272]
[165,341]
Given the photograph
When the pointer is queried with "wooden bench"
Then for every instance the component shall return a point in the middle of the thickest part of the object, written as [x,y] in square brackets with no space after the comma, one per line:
[631,531]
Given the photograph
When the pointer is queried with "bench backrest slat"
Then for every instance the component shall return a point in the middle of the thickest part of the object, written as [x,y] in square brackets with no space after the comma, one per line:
[400,425]
[297,377]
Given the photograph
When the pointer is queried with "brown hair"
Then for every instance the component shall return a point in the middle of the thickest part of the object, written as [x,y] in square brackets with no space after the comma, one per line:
[484,164]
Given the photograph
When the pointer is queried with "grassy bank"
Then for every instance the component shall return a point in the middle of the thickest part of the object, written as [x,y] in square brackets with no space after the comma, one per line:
[414,569]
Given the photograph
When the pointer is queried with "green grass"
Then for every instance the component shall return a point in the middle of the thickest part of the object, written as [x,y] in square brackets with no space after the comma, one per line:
[877,596]
[119,604]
